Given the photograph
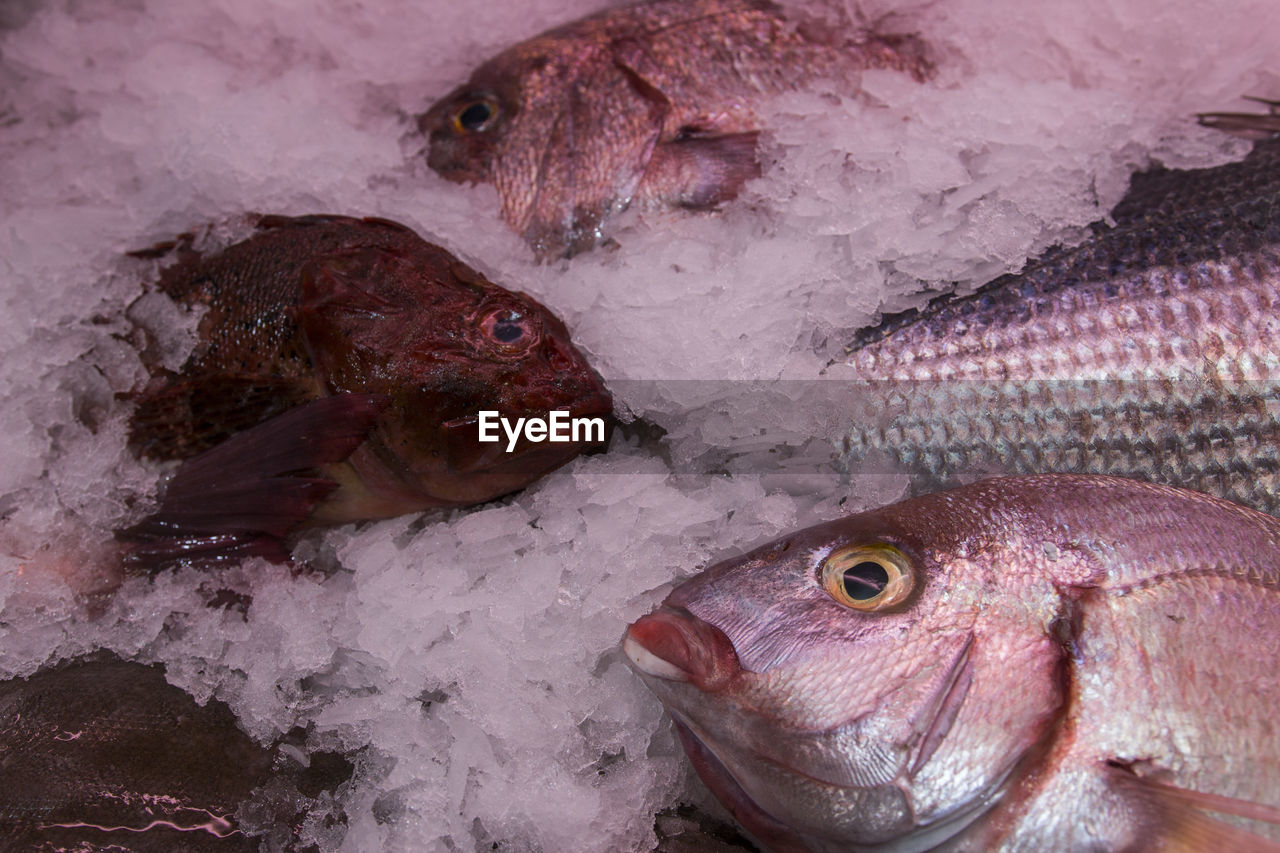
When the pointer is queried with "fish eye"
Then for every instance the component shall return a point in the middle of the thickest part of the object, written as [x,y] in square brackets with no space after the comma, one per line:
[475,115]
[509,330]
[868,577]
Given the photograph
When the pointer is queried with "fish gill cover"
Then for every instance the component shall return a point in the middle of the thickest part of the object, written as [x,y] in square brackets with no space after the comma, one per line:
[468,659]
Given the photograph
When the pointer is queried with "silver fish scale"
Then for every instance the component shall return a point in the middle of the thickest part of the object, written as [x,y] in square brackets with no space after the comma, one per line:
[1150,351]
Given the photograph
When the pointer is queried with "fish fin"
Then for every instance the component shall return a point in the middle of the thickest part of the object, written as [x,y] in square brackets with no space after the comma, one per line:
[700,172]
[1246,125]
[701,167]
[193,414]
[182,245]
[246,495]
[1179,823]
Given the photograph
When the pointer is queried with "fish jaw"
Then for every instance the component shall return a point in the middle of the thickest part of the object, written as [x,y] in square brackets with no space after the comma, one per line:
[685,662]
[669,647]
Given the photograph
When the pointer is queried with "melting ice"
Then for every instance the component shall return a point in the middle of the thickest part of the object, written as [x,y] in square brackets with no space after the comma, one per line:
[468,660]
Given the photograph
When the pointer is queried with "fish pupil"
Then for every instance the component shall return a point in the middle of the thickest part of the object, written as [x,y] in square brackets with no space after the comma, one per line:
[507,332]
[476,116]
[864,581]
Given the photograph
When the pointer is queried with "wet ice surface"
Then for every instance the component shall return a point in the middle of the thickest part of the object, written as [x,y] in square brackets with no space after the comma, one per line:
[469,659]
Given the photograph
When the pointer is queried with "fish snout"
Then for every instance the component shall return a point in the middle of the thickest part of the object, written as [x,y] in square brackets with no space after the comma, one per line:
[674,645]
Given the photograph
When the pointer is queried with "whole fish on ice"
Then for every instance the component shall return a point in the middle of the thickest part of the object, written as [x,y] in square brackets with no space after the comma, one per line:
[101,754]
[1152,350]
[652,103]
[1053,662]
[341,370]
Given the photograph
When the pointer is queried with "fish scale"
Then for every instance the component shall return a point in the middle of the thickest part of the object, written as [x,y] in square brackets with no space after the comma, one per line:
[1152,350]
[97,744]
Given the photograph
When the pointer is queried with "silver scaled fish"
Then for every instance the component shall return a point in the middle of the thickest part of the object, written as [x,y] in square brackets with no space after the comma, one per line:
[653,103]
[1152,351]
[1055,662]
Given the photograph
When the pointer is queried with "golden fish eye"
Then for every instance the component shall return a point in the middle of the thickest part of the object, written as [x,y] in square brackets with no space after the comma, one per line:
[868,577]
[475,115]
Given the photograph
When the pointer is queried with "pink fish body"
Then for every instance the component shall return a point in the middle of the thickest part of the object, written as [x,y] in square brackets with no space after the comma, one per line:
[1051,662]
[652,103]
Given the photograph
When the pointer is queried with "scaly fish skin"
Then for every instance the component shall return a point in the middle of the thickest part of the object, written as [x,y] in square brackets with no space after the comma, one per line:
[651,103]
[103,755]
[107,755]
[1151,351]
[340,373]
[1053,662]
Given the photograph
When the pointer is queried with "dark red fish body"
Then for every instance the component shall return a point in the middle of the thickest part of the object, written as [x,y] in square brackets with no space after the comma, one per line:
[652,103]
[340,373]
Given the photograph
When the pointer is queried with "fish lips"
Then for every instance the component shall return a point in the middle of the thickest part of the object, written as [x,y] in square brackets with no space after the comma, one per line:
[673,645]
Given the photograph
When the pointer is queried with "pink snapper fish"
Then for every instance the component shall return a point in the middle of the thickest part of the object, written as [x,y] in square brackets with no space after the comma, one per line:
[1050,662]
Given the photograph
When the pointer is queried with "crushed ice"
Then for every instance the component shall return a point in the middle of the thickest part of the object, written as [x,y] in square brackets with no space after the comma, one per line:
[469,659]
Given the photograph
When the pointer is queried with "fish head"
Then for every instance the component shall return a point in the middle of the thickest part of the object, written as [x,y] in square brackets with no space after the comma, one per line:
[500,128]
[444,344]
[873,682]
[469,130]
[560,127]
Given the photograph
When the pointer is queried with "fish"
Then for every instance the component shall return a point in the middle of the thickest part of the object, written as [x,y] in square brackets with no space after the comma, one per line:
[1151,350]
[654,104]
[103,754]
[341,372]
[1041,662]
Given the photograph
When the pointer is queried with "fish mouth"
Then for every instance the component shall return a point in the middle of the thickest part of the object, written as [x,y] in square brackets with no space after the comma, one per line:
[597,403]
[673,645]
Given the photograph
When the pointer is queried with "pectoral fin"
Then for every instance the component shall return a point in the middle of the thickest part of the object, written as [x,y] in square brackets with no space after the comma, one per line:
[700,172]
[1186,821]
[246,495]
